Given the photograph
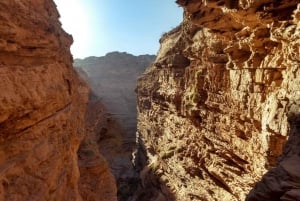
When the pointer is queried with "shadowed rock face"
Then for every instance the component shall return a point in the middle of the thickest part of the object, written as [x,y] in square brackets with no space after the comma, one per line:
[42,107]
[282,182]
[213,108]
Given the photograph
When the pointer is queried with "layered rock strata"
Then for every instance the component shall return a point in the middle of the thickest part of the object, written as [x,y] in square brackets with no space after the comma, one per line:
[42,105]
[213,108]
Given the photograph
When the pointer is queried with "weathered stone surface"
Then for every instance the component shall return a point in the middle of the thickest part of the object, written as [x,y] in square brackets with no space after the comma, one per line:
[42,105]
[213,108]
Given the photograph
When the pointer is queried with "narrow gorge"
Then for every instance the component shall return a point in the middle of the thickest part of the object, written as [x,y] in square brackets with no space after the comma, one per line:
[111,115]
[218,108]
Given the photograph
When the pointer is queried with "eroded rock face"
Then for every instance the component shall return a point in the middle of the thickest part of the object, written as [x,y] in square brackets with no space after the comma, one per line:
[213,108]
[42,105]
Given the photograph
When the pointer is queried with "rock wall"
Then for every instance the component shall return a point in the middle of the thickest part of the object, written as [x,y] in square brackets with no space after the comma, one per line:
[42,106]
[213,109]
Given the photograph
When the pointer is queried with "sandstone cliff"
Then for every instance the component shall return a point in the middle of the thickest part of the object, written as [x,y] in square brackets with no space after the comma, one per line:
[214,107]
[42,106]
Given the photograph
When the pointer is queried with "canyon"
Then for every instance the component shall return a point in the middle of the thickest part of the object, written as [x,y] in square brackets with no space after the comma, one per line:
[218,109]
[111,112]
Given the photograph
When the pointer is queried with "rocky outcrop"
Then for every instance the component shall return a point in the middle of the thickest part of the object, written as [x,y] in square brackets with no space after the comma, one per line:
[42,106]
[111,111]
[214,106]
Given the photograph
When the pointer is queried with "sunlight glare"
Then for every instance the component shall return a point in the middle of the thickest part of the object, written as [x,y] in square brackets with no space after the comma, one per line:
[75,21]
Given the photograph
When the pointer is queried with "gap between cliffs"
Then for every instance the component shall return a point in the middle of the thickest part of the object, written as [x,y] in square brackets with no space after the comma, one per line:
[111,116]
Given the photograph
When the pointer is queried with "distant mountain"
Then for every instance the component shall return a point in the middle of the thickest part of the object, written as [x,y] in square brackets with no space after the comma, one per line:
[112,78]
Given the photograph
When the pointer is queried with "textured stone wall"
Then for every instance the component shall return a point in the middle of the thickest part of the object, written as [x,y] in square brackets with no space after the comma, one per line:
[42,106]
[214,107]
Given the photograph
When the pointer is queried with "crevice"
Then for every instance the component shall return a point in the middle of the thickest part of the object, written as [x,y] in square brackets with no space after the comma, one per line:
[218,180]
[9,132]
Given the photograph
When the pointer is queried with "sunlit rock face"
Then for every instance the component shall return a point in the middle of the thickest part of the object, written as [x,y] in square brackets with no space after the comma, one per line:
[213,109]
[42,106]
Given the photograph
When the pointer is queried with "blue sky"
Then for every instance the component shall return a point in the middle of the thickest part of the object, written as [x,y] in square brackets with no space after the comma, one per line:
[102,26]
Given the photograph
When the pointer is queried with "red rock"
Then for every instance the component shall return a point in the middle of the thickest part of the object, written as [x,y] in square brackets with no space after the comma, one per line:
[42,106]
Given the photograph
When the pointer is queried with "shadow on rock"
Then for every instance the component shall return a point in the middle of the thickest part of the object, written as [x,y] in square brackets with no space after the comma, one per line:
[150,186]
[282,183]
[127,158]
